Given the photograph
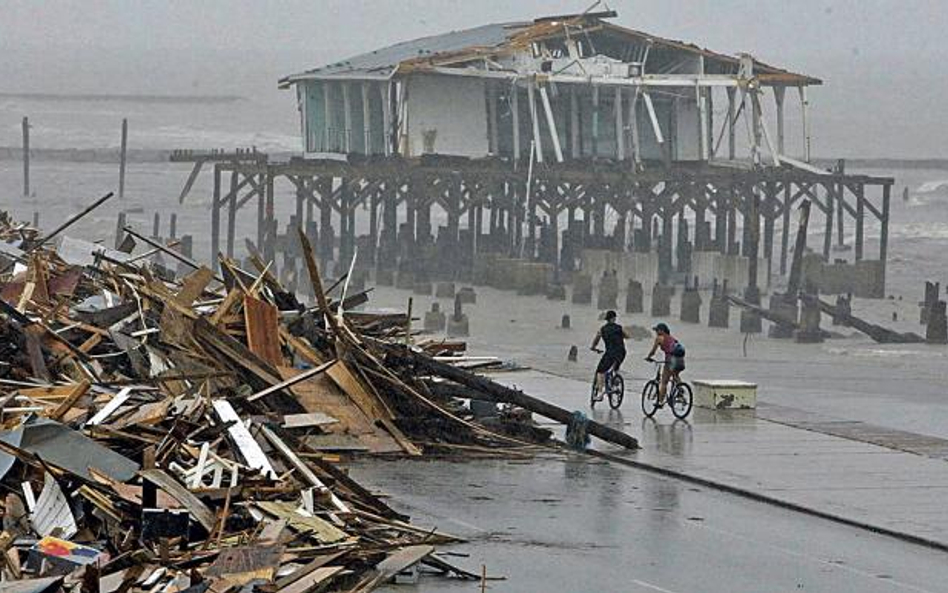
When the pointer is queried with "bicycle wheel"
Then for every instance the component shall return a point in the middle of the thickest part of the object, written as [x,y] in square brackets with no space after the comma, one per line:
[650,398]
[592,393]
[616,391]
[681,400]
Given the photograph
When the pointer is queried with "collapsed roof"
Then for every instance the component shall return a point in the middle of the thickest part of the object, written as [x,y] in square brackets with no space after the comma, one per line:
[493,50]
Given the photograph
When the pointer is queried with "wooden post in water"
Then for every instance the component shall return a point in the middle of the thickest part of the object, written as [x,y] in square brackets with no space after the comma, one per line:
[122,157]
[26,156]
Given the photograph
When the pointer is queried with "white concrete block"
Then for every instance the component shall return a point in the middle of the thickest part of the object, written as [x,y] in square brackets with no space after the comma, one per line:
[725,394]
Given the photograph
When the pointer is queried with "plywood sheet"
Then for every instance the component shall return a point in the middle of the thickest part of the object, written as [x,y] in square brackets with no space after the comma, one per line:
[320,394]
[263,330]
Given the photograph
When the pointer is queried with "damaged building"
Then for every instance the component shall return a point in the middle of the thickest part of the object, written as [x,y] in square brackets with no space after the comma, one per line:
[563,146]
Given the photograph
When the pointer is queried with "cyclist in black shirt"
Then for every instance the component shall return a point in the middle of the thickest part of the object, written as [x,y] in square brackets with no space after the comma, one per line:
[614,336]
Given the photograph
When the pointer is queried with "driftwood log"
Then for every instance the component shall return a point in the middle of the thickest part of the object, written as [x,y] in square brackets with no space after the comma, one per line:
[480,387]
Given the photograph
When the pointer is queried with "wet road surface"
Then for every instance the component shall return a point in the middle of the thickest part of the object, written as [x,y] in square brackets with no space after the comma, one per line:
[573,524]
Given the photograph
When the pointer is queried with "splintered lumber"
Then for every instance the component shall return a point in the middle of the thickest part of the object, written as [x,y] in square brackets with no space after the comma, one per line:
[493,391]
[71,399]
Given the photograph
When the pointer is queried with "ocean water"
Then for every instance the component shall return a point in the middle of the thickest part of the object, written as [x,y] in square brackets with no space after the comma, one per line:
[918,245]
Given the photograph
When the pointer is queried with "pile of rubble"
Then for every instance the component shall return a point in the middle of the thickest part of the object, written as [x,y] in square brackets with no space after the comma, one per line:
[168,431]
[163,434]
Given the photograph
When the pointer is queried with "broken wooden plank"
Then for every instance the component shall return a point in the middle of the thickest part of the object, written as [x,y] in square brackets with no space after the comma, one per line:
[249,448]
[78,391]
[263,331]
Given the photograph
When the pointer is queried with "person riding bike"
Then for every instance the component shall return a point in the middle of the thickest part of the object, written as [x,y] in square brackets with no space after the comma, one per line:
[674,357]
[614,336]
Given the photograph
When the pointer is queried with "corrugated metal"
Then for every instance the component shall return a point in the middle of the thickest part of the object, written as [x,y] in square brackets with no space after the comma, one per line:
[381,62]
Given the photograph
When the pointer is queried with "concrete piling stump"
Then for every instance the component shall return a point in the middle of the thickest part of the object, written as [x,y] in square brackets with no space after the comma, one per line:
[936,331]
[750,320]
[467,295]
[661,301]
[809,332]
[691,304]
[435,320]
[458,326]
[634,297]
[608,294]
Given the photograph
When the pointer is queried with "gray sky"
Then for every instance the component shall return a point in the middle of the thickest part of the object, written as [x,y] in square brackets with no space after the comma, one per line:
[883,61]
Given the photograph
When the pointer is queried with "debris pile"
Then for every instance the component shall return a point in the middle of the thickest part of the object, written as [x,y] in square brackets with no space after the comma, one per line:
[164,435]
[168,431]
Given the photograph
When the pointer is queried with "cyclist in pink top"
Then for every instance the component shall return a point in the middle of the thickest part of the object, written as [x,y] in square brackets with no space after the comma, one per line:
[674,357]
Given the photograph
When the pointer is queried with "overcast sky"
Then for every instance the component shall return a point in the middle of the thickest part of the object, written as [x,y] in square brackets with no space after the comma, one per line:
[883,61]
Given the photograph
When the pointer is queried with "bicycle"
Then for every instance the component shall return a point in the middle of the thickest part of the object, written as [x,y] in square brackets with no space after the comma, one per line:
[614,387]
[678,395]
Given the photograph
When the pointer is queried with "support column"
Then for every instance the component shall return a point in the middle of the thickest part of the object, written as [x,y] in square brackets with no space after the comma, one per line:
[515,120]
[595,121]
[769,212]
[785,228]
[261,213]
[347,118]
[732,248]
[123,153]
[828,230]
[271,219]
[374,200]
[720,221]
[575,147]
[665,248]
[884,232]
[860,220]
[805,108]
[731,128]
[366,120]
[26,156]
[779,92]
[325,220]
[491,92]
[840,215]
[216,219]
[232,212]
[620,128]
[535,120]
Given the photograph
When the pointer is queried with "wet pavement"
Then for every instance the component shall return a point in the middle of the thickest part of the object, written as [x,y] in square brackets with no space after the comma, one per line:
[572,524]
[847,428]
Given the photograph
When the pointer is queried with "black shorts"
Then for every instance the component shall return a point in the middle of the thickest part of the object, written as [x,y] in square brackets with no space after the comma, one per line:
[610,360]
[675,363]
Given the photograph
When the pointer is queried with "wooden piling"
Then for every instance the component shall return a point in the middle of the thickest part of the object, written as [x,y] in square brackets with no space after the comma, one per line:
[122,158]
[216,219]
[232,213]
[26,156]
